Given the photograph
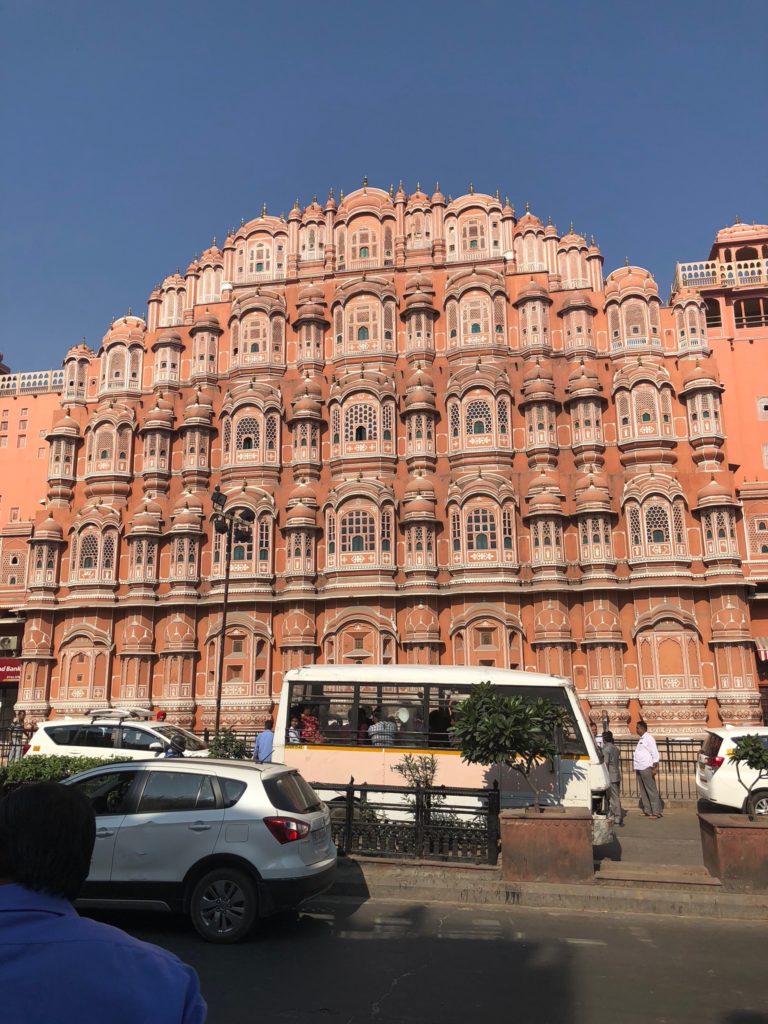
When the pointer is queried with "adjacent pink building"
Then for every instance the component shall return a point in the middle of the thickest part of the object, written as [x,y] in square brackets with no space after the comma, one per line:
[461,445]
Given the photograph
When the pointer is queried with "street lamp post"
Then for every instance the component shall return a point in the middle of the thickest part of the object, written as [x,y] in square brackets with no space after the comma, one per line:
[233,526]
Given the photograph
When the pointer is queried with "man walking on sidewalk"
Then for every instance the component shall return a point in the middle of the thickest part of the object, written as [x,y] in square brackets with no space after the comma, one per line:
[612,761]
[646,762]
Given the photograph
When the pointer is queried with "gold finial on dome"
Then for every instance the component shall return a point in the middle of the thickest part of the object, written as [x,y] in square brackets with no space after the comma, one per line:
[570,229]
[506,200]
[391,189]
[213,240]
[314,199]
[471,189]
[450,198]
[549,221]
[296,203]
[738,219]
[263,209]
[365,183]
[341,195]
[330,193]
[498,199]
[626,261]
[130,311]
[527,207]
[418,186]
[242,221]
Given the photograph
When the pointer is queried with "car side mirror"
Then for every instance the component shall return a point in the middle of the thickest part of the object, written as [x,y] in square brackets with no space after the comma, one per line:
[157,747]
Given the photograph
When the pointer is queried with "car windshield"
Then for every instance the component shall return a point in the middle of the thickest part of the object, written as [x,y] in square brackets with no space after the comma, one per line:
[169,731]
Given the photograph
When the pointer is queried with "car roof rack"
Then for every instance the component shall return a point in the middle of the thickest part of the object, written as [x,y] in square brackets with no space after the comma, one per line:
[120,714]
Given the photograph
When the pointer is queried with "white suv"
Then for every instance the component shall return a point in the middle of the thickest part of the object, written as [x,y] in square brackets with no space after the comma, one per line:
[720,781]
[111,732]
[225,841]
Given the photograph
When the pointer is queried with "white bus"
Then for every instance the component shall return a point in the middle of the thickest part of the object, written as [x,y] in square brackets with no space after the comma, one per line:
[325,729]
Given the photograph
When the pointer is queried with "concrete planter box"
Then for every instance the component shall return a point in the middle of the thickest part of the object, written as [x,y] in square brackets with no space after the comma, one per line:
[735,850]
[552,846]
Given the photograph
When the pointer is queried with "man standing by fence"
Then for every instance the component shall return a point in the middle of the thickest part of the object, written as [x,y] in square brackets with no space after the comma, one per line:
[612,762]
[646,763]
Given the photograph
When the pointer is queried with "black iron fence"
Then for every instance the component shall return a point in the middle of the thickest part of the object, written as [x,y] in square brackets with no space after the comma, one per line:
[439,823]
[678,760]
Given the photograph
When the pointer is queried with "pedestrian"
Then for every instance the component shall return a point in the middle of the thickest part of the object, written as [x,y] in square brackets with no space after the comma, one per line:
[20,733]
[54,964]
[177,747]
[162,715]
[646,762]
[612,761]
[262,749]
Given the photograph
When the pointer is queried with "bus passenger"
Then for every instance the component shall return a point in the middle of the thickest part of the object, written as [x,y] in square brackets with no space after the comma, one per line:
[310,727]
[294,730]
[363,726]
[383,731]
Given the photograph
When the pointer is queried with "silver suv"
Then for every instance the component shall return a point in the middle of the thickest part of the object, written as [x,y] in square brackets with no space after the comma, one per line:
[226,842]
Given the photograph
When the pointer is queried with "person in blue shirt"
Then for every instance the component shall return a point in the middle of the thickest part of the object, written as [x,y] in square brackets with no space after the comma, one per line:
[262,751]
[54,964]
[177,747]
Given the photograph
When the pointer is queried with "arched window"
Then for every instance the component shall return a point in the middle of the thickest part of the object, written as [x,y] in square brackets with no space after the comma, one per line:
[479,418]
[481,530]
[657,524]
[358,531]
[362,334]
[361,423]
[247,434]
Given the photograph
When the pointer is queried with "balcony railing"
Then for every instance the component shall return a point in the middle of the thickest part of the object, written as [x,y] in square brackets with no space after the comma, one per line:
[470,255]
[708,273]
[369,264]
[259,277]
[35,382]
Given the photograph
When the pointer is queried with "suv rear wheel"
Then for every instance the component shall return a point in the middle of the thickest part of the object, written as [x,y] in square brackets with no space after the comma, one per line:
[224,905]
[757,803]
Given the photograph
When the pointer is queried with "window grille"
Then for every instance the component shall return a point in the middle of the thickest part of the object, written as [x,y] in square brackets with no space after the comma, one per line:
[277,336]
[360,423]
[358,531]
[456,531]
[227,439]
[247,434]
[507,529]
[634,525]
[657,524]
[481,530]
[271,433]
[264,538]
[386,530]
[479,419]
[455,419]
[503,412]
[386,421]
[89,552]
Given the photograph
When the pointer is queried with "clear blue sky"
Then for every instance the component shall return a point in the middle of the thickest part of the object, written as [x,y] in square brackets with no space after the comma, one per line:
[134,132]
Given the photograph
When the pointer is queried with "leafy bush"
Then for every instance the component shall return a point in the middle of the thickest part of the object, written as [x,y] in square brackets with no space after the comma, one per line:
[751,751]
[40,768]
[493,728]
[418,771]
[228,745]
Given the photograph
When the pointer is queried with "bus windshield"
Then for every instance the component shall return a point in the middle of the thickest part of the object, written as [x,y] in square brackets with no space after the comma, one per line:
[395,714]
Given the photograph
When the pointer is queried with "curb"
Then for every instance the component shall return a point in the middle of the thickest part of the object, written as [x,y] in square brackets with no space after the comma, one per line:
[361,879]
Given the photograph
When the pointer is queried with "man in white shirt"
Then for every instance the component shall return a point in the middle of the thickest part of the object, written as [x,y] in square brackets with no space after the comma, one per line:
[646,763]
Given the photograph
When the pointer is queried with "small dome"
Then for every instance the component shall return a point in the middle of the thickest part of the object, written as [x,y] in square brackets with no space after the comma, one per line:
[186,519]
[583,378]
[301,513]
[418,198]
[699,374]
[592,491]
[420,378]
[419,485]
[714,493]
[48,529]
[67,426]
[419,397]
[550,231]
[537,372]
[532,290]
[419,283]
[437,197]
[303,494]
[306,405]
[630,279]
[571,240]
[577,300]
[145,522]
[685,296]
[544,502]
[205,321]
[528,222]
[739,232]
[199,409]
[312,293]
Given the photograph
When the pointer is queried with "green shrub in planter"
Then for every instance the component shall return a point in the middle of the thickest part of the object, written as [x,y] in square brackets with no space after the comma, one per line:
[47,769]
[229,745]
[493,728]
[752,751]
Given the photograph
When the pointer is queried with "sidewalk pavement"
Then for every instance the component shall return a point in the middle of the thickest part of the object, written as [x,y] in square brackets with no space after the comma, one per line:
[655,866]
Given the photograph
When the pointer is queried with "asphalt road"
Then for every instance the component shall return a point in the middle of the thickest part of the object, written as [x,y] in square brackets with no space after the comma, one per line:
[401,963]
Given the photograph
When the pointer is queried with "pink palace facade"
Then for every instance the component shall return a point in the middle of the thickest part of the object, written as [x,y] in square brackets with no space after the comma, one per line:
[461,443]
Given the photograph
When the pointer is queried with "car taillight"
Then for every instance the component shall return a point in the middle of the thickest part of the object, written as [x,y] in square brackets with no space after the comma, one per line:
[715,762]
[287,830]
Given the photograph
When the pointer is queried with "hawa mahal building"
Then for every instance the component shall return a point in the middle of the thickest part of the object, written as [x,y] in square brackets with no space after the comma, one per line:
[460,442]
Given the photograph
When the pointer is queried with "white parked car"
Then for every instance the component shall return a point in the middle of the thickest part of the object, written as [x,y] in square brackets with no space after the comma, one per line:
[226,842]
[720,781]
[112,732]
